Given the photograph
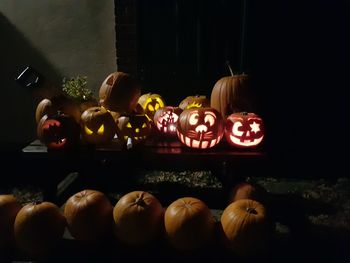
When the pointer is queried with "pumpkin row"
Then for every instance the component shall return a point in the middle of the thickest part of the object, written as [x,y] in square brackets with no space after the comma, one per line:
[137,219]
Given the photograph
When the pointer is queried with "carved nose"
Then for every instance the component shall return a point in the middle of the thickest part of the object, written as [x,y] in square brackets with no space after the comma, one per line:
[137,130]
[201,128]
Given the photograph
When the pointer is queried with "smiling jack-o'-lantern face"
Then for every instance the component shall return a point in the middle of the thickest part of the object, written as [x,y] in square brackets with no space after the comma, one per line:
[200,128]
[244,130]
[58,131]
[134,127]
[150,103]
[166,120]
[98,125]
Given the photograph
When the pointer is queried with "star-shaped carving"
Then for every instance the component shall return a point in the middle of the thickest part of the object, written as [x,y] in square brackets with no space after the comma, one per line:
[255,127]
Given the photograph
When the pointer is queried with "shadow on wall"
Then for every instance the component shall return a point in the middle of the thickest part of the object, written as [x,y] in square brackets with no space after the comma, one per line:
[18,124]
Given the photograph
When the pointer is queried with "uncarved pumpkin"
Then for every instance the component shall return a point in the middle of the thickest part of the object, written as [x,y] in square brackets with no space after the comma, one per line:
[245,227]
[38,228]
[246,190]
[197,101]
[119,92]
[189,224]
[138,218]
[89,215]
[9,208]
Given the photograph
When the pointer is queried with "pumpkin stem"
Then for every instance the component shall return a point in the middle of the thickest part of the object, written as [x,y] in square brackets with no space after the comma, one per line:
[139,201]
[251,210]
[244,113]
[229,67]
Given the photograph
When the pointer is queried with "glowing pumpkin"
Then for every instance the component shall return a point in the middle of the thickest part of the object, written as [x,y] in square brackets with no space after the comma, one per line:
[197,101]
[200,128]
[244,130]
[59,131]
[135,128]
[166,120]
[98,125]
[150,103]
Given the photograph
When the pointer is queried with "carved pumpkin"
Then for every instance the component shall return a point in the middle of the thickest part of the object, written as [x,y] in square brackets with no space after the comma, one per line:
[133,127]
[119,92]
[246,190]
[9,208]
[138,218]
[89,215]
[98,125]
[245,227]
[38,228]
[59,131]
[166,120]
[197,101]
[150,103]
[200,128]
[244,130]
[189,224]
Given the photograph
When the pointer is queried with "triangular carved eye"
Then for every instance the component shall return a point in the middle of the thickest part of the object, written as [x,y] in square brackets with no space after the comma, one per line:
[88,131]
[128,125]
[144,125]
[101,129]
[110,80]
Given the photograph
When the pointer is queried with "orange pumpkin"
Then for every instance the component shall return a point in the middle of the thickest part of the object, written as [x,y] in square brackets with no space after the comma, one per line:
[9,208]
[119,92]
[189,224]
[138,218]
[38,228]
[197,101]
[246,190]
[166,120]
[245,227]
[89,215]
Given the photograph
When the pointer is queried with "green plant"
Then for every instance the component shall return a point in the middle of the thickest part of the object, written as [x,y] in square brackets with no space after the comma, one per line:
[76,88]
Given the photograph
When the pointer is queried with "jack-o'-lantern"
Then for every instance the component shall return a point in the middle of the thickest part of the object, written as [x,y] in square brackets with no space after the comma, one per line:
[197,101]
[166,120]
[98,125]
[200,128]
[59,131]
[135,128]
[244,130]
[150,103]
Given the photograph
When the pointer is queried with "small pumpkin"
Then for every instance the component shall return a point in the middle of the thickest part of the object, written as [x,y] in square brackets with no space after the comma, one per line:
[138,218]
[166,120]
[189,224]
[244,130]
[200,128]
[38,228]
[150,103]
[245,227]
[134,127]
[119,92]
[98,125]
[246,190]
[197,101]
[9,208]
[89,215]
[58,131]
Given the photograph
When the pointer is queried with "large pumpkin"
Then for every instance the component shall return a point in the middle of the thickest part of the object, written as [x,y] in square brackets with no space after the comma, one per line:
[135,128]
[58,131]
[119,92]
[231,94]
[39,228]
[166,120]
[200,128]
[89,215]
[150,103]
[189,224]
[138,218]
[98,125]
[197,101]
[9,208]
[244,130]
[245,227]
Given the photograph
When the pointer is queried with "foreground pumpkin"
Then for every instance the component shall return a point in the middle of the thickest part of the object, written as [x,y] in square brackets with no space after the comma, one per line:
[189,224]
[98,125]
[200,128]
[138,218]
[150,103]
[246,190]
[135,128]
[166,120]
[245,227]
[9,208]
[38,228]
[89,215]
[119,92]
[197,101]
[58,131]
[244,130]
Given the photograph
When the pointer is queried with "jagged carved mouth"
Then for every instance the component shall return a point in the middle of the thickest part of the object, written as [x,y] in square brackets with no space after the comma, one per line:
[201,142]
[246,143]
[139,138]
[59,143]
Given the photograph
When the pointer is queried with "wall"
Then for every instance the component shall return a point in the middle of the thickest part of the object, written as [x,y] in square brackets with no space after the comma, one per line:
[58,38]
